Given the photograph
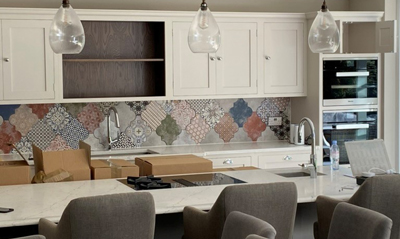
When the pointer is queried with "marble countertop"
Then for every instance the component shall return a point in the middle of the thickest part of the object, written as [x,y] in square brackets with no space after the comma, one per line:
[208,149]
[34,201]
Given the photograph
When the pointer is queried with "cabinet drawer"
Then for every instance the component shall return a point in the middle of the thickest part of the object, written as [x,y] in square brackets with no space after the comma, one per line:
[282,160]
[230,162]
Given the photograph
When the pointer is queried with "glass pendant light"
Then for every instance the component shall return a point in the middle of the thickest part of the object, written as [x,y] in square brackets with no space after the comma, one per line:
[204,35]
[66,32]
[324,33]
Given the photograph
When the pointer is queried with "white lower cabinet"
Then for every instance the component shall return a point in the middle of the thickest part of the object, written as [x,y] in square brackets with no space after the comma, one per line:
[27,60]
[227,161]
[282,160]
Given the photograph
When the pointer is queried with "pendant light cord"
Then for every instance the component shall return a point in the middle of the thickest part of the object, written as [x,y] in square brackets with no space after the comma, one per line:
[324,7]
[203,5]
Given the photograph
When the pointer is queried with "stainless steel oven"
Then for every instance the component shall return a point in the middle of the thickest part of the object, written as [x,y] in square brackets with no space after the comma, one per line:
[348,125]
[350,81]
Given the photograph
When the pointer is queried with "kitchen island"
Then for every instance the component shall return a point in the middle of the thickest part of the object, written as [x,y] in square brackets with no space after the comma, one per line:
[34,201]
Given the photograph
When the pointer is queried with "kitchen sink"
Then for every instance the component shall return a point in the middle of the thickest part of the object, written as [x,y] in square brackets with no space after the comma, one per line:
[297,174]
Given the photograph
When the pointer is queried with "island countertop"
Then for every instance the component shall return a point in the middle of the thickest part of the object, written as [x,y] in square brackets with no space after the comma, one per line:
[34,201]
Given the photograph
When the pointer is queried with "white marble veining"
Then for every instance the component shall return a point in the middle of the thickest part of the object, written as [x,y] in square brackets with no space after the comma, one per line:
[34,201]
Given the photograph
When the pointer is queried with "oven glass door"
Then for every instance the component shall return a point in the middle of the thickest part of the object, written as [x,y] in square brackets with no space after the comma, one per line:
[348,126]
[350,82]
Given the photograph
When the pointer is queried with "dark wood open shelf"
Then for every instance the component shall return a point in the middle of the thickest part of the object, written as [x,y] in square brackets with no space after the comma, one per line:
[120,59]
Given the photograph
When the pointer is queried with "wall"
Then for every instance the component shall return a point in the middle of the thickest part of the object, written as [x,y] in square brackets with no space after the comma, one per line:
[186,5]
[143,123]
[367,5]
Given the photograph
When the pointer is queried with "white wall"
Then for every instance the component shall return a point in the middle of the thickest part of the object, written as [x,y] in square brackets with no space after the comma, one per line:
[188,5]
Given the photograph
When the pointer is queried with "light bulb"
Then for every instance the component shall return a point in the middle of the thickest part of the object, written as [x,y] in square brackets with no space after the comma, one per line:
[324,33]
[204,35]
[66,31]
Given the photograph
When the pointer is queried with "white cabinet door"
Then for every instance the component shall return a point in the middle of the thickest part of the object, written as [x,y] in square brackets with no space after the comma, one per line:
[228,161]
[283,160]
[28,60]
[236,59]
[284,58]
[193,73]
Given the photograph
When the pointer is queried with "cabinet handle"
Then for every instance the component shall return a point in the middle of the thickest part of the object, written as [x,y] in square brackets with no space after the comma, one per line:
[228,161]
[7,59]
[287,158]
[267,58]
[212,58]
[219,58]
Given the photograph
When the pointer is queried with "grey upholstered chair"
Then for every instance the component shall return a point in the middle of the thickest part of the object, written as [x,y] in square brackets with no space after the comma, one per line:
[239,225]
[116,216]
[379,193]
[32,237]
[253,236]
[354,222]
[274,203]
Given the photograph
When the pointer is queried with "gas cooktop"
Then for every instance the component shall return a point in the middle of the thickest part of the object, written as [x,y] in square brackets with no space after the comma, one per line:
[192,180]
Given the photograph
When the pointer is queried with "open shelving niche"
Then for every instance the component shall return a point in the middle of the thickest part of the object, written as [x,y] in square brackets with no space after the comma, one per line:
[120,59]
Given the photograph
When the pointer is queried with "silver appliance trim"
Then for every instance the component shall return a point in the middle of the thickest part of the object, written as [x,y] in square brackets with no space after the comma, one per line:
[355,73]
[346,126]
[351,86]
[339,102]
[356,110]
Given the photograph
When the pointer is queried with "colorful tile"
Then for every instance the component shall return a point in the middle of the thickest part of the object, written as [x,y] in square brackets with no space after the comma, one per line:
[212,113]
[168,130]
[57,118]
[41,134]
[254,127]
[138,106]
[153,115]
[8,134]
[138,131]
[101,132]
[267,109]
[168,106]
[281,103]
[282,132]
[197,105]
[40,109]
[23,119]
[7,110]
[24,145]
[105,106]
[124,142]
[74,109]
[226,128]
[240,112]
[90,117]
[73,132]
[183,114]
[58,144]
[198,129]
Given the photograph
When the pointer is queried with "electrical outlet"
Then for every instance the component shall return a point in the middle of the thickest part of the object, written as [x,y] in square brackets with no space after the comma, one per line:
[274,121]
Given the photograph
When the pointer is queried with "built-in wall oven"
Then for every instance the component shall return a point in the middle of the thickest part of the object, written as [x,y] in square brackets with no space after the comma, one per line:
[350,81]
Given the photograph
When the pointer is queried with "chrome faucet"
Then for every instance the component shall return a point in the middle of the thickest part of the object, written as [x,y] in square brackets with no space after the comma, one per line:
[108,115]
[312,165]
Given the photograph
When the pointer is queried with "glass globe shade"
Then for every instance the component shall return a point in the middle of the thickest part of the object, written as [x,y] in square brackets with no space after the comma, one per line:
[324,34]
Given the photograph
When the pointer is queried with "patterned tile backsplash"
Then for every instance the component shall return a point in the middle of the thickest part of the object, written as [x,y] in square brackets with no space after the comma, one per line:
[143,123]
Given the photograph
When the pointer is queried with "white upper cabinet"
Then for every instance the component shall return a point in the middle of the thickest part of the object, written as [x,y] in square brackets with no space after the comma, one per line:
[28,60]
[284,58]
[232,70]
[385,37]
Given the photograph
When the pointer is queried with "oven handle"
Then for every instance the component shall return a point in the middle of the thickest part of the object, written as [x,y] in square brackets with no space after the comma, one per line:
[346,126]
[355,73]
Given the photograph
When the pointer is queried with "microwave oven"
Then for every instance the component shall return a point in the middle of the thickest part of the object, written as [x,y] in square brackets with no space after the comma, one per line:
[350,81]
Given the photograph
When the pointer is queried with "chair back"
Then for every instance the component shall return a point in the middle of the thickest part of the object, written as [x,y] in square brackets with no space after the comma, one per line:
[32,237]
[117,216]
[275,203]
[239,225]
[253,236]
[381,194]
[354,222]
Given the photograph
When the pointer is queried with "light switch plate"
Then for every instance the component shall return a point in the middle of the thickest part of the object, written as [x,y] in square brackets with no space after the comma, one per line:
[274,121]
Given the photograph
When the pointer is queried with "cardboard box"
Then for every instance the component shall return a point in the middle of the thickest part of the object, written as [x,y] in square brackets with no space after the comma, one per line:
[120,168]
[100,169]
[179,164]
[14,172]
[76,162]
